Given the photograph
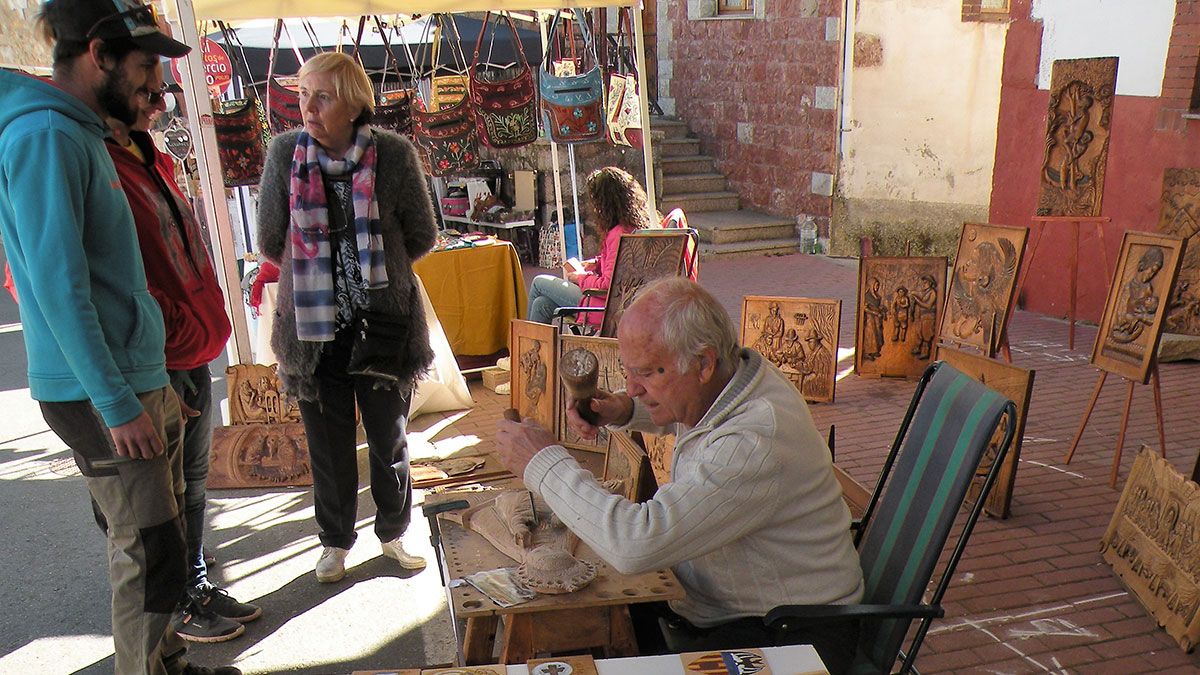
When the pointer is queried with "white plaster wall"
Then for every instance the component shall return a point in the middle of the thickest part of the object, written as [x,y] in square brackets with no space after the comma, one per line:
[921,126]
[1136,31]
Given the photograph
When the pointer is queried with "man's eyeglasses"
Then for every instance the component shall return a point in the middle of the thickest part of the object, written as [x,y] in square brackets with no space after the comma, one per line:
[155,96]
[140,17]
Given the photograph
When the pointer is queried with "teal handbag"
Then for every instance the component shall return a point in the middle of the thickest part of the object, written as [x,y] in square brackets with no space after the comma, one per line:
[572,106]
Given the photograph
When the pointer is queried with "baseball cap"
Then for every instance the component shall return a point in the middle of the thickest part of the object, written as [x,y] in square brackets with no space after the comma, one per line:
[117,20]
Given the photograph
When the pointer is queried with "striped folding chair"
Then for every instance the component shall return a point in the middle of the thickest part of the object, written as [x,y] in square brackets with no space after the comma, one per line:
[950,425]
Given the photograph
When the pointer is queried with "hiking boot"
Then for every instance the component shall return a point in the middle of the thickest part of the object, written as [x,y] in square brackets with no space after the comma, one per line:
[332,565]
[219,602]
[196,624]
[193,669]
[394,549]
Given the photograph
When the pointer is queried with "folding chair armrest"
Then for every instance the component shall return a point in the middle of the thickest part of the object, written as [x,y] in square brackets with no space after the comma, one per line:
[779,617]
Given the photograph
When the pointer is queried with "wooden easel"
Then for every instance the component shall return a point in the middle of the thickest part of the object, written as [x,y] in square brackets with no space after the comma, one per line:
[1073,260]
[1162,438]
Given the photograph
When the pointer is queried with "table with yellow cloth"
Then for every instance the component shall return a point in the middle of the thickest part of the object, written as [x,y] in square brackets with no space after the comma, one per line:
[476,292]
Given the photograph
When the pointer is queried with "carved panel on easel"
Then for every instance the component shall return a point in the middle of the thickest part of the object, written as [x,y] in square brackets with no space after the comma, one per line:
[534,381]
[982,285]
[1076,141]
[611,378]
[259,455]
[1136,306]
[1153,545]
[798,335]
[255,396]
[1180,216]
[641,258]
[900,302]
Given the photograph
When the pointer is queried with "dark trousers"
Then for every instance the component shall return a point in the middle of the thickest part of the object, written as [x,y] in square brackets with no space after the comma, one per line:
[194,388]
[332,447]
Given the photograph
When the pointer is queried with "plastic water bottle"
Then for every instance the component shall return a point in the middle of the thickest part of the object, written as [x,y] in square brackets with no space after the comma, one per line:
[808,235]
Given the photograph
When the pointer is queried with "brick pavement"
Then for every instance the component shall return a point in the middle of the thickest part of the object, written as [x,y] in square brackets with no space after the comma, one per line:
[1031,594]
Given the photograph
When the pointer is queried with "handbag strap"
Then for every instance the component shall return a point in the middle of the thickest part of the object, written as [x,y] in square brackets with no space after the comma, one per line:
[521,60]
[239,64]
[291,41]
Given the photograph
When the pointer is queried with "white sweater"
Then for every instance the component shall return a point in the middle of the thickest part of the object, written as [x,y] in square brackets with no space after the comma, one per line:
[753,517]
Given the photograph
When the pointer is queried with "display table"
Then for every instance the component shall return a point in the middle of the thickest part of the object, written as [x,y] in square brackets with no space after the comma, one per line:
[476,292]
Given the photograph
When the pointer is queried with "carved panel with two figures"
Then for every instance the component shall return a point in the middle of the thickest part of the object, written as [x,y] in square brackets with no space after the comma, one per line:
[900,302]
[1077,132]
[798,335]
[982,285]
[1180,216]
[611,378]
[1015,384]
[641,258]
[255,396]
[1132,323]
[533,378]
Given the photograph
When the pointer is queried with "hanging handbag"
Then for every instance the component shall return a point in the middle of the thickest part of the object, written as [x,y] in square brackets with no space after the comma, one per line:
[242,137]
[505,110]
[623,106]
[392,108]
[447,136]
[572,107]
[450,89]
[283,101]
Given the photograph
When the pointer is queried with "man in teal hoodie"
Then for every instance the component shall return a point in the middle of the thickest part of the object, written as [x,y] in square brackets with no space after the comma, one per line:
[93,333]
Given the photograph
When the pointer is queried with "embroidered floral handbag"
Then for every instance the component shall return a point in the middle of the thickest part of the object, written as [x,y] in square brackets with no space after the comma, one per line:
[242,136]
[623,106]
[283,95]
[505,109]
[572,106]
[447,135]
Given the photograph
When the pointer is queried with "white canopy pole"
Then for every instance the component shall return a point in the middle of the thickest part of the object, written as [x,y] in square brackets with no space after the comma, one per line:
[639,43]
[575,200]
[543,27]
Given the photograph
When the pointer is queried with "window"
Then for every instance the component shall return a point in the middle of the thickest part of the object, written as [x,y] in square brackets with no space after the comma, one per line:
[985,10]
[725,7]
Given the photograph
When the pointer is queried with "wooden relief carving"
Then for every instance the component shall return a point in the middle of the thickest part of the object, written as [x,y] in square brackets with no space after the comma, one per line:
[255,396]
[627,464]
[533,373]
[563,665]
[1077,130]
[660,450]
[1137,303]
[463,670]
[402,671]
[612,378]
[800,336]
[1015,384]
[982,285]
[641,258]
[900,302]
[1181,217]
[1152,545]
[259,455]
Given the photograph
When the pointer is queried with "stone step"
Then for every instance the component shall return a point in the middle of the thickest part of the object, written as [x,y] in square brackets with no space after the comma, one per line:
[694,182]
[700,201]
[672,127]
[725,227]
[673,166]
[745,249]
[680,147]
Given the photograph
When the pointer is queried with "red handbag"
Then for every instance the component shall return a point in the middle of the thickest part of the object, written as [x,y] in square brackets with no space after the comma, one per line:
[283,101]
[242,137]
[392,108]
[505,109]
[447,136]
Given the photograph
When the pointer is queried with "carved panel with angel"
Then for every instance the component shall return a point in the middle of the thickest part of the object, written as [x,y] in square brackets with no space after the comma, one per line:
[982,286]
[798,335]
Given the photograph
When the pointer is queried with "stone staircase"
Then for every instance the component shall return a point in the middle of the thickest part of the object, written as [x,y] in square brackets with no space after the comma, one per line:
[690,181]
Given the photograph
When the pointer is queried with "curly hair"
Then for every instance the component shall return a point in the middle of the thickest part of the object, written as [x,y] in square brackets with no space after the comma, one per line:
[617,198]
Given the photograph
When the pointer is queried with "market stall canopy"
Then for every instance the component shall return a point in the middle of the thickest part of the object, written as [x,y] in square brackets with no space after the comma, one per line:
[230,10]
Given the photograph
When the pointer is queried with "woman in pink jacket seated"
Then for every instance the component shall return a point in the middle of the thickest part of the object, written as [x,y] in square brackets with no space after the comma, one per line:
[618,206]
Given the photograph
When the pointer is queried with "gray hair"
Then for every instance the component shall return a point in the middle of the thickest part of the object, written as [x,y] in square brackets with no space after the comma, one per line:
[690,320]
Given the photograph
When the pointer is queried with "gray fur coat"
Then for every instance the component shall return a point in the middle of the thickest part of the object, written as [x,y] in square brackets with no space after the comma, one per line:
[409,231]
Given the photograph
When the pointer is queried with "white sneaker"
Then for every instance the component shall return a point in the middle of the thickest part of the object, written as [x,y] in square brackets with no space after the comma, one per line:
[504,363]
[394,549]
[332,565]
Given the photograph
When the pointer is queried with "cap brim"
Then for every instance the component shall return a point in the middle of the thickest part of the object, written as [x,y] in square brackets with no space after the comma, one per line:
[157,43]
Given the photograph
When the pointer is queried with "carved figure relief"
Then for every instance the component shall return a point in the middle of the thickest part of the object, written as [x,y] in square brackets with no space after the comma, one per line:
[1077,131]
[255,397]
[1137,303]
[259,455]
[798,335]
[641,258]
[534,380]
[627,467]
[900,302]
[982,285]
[611,378]
[660,449]
[1180,217]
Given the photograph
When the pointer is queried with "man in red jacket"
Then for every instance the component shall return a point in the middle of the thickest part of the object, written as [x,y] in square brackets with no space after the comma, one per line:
[180,276]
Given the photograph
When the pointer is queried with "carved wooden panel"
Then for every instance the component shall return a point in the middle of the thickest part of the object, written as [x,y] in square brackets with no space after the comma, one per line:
[900,302]
[982,285]
[563,665]
[255,397]
[1015,384]
[259,455]
[1076,143]
[1180,216]
[1153,547]
[534,380]
[628,464]
[660,450]
[1132,323]
[800,336]
[461,670]
[641,258]
[612,378]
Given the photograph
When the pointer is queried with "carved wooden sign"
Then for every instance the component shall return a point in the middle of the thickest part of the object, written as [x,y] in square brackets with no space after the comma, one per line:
[1077,131]
[641,258]
[534,381]
[611,378]
[982,284]
[259,455]
[900,302]
[255,396]
[1180,216]
[1152,544]
[798,335]
[1015,384]
[1132,323]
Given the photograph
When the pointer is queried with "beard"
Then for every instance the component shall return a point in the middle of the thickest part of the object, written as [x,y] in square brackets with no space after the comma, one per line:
[114,95]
